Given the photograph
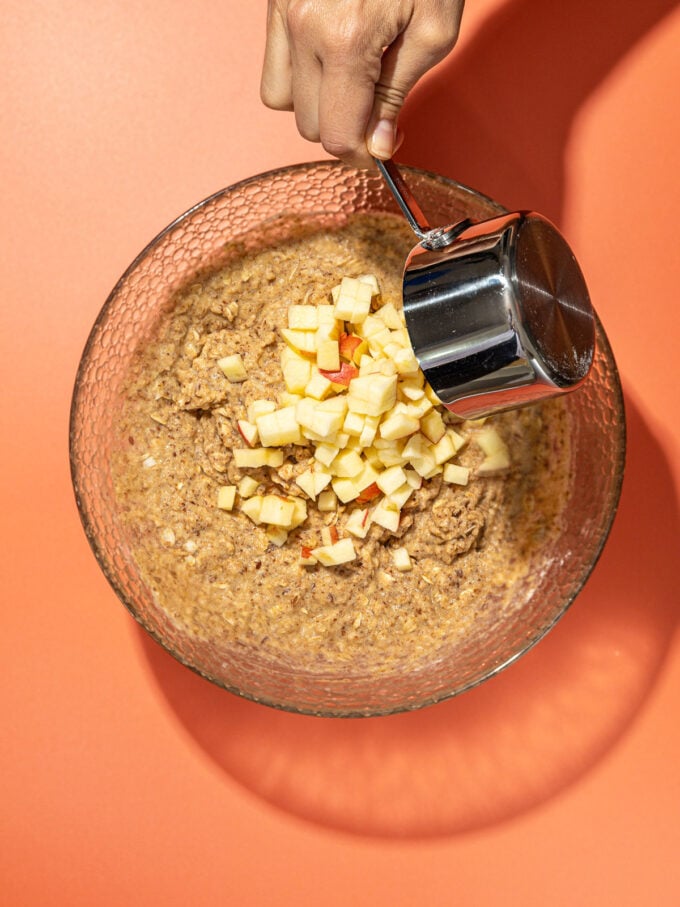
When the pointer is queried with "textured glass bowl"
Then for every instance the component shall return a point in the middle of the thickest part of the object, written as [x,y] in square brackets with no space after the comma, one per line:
[328,191]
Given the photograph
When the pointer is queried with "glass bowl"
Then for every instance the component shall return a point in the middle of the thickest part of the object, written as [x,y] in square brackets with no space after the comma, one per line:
[330,191]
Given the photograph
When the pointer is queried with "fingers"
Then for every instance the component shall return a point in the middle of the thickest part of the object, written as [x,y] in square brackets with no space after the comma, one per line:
[346,69]
[276,83]
[424,44]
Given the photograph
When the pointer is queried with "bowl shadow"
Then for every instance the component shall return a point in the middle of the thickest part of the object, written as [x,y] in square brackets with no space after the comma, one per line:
[494,752]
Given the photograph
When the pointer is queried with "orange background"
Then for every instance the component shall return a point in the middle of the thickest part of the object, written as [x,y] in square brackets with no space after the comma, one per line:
[126,779]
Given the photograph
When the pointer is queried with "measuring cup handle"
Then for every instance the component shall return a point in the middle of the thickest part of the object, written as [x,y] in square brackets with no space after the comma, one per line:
[404,198]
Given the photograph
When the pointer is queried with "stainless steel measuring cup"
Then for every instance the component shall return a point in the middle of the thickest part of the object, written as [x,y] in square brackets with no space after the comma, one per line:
[498,312]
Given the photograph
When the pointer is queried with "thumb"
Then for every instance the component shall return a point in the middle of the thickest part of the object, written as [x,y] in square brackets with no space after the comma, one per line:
[403,64]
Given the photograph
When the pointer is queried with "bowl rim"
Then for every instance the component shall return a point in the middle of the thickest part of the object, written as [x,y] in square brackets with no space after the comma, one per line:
[618,467]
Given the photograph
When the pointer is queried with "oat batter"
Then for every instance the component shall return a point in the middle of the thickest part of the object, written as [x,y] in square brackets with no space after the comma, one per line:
[216,573]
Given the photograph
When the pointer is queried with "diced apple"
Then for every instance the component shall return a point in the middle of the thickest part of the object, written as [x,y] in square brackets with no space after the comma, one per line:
[248,432]
[369,431]
[459,440]
[444,449]
[346,489]
[368,494]
[455,474]
[252,507]
[358,522]
[318,387]
[313,481]
[226,495]
[296,375]
[327,502]
[277,511]
[401,495]
[353,301]
[332,555]
[432,426]
[299,512]
[386,514]
[347,464]
[494,463]
[247,486]
[233,368]
[431,396]
[371,281]
[325,453]
[306,558]
[300,341]
[342,376]
[277,535]
[391,479]
[328,356]
[490,441]
[413,479]
[402,559]
[398,425]
[351,347]
[390,316]
[251,458]
[406,363]
[259,408]
[353,424]
[372,395]
[303,317]
[279,428]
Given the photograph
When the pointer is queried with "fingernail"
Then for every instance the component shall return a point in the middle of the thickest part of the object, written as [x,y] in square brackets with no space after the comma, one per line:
[381,143]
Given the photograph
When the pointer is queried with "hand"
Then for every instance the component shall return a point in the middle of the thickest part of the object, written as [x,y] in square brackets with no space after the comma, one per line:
[346,66]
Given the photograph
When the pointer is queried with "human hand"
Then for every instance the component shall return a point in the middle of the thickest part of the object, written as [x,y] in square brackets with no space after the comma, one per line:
[346,66]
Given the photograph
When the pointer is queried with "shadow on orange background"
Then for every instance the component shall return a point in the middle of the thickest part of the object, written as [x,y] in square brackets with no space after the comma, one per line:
[497,117]
[497,750]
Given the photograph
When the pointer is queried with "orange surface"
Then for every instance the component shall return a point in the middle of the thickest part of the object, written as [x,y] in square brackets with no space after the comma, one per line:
[127,780]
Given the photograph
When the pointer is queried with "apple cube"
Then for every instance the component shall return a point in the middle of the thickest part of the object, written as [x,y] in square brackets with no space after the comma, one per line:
[401,559]
[391,479]
[252,458]
[494,463]
[325,453]
[226,495]
[413,479]
[313,481]
[299,512]
[318,387]
[406,363]
[252,507]
[353,424]
[456,474]
[277,535]
[372,395]
[279,428]
[398,425]
[390,316]
[432,426]
[232,367]
[386,514]
[248,432]
[259,408]
[327,501]
[347,464]
[276,511]
[303,317]
[341,552]
[296,375]
[353,301]
[400,495]
[444,449]
[300,341]
[358,523]
[490,441]
[369,431]
[328,355]
[247,486]
[371,281]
